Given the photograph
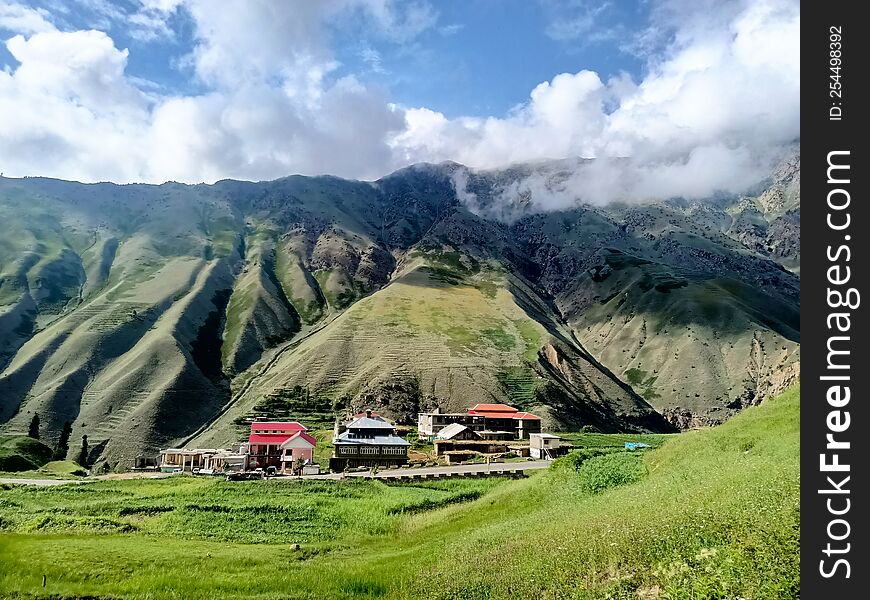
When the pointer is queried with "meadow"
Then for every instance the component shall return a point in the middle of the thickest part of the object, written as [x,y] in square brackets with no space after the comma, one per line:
[710,514]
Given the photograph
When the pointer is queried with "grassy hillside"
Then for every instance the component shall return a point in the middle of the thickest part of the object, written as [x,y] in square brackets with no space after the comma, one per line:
[678,337]
[22,453]
[142,313]
[442,334]
[711,514]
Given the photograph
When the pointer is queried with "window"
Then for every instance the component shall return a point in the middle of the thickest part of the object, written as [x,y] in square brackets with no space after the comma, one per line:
[347,449]
[369,450]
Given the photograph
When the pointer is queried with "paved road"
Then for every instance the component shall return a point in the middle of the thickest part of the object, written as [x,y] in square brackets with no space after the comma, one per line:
[455,469]
[383,474]
[38,481]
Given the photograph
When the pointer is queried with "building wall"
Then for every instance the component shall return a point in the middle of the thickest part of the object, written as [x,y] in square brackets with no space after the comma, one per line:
[297,453]
[367,456]
[432,423]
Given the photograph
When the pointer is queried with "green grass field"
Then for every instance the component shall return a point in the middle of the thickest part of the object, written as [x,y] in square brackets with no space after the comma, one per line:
[710,514]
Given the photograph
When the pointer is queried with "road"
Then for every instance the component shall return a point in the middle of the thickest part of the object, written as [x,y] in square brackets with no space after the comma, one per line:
[42,482]
[382,474]
[451,470]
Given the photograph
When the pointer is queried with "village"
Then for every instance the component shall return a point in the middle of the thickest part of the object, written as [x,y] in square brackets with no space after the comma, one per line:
[368,442]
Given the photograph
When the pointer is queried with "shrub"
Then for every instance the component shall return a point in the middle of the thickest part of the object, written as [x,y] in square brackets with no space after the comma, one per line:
[611,470]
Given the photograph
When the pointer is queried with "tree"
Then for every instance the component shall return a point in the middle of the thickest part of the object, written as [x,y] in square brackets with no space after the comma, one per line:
[83,454]
[297,465]
[62,448]
[33,431]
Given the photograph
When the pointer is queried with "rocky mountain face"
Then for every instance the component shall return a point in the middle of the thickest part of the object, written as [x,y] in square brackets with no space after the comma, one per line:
[156,315]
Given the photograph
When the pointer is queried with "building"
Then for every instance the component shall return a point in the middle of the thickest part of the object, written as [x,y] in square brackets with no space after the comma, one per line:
[429,424]
[455,431]
[209,460]
[265,443]
[341,424]
[270,444]
[298,447]
[501,417]
[368,441]
[544,445]
[500,420]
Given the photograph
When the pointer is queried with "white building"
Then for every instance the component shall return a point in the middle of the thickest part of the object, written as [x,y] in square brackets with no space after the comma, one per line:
[544,445]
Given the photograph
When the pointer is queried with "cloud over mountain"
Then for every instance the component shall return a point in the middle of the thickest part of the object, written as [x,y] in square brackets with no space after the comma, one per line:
[718,100]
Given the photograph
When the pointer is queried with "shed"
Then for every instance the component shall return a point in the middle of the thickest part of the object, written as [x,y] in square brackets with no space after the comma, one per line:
[544,445]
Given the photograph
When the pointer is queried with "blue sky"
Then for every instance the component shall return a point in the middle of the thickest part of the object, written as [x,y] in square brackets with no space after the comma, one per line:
[485,55]
[479,57]
[706,91]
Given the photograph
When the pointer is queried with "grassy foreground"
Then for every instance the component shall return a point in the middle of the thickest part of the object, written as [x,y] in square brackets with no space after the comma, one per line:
[710,514]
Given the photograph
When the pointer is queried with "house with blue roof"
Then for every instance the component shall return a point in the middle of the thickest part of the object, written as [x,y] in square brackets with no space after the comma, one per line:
[368,441]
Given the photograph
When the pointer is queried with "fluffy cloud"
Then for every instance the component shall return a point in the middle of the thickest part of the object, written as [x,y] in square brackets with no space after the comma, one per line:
[75,113]
[714,115]
[718,103]
[271,108]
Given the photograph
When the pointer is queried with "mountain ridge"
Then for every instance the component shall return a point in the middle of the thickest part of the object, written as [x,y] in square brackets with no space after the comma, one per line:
[139,312]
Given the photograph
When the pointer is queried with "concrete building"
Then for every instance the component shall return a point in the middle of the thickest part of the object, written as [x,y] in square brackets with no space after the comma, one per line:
[283,445]
[501,418]
[211,460]
[456,431]
[368,441]
[544,445]
[431,423]
[265,443]
[297,450]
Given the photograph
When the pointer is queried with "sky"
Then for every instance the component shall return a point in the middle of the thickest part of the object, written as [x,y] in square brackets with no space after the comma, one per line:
[682,97]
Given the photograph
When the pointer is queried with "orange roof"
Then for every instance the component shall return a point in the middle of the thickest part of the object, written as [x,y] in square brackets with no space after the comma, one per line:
[527,416]
[496,415]
[478,408]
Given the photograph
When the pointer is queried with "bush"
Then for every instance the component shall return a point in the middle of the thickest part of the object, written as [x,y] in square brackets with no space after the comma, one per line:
[611,470]
[575,459]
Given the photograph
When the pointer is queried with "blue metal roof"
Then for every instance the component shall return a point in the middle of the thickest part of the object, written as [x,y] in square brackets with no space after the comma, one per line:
[378,440]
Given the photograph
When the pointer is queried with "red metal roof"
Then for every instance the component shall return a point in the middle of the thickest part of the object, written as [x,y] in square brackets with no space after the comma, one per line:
[270,438]
[502,414]
[495,415]
[279,425]
[308,438]
[485,408]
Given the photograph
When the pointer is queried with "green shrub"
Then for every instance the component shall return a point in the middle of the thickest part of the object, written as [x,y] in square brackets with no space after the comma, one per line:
[611,470]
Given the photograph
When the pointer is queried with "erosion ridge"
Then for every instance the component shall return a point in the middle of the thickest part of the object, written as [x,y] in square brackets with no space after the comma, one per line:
[148,314]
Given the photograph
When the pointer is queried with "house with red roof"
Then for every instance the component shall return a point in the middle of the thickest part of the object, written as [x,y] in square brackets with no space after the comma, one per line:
[492,421]
[279,444]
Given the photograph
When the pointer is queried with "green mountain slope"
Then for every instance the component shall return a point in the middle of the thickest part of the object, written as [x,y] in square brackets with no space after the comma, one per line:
[150,315]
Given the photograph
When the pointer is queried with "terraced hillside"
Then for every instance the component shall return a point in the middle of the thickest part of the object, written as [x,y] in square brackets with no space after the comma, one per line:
[153,315]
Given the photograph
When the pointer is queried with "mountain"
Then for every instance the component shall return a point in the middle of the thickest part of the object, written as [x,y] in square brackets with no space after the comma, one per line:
[153,315]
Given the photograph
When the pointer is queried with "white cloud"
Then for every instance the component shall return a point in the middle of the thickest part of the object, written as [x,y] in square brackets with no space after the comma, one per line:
[75,113]
[713,115]
[713,110]
[578,20]
[22,19]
